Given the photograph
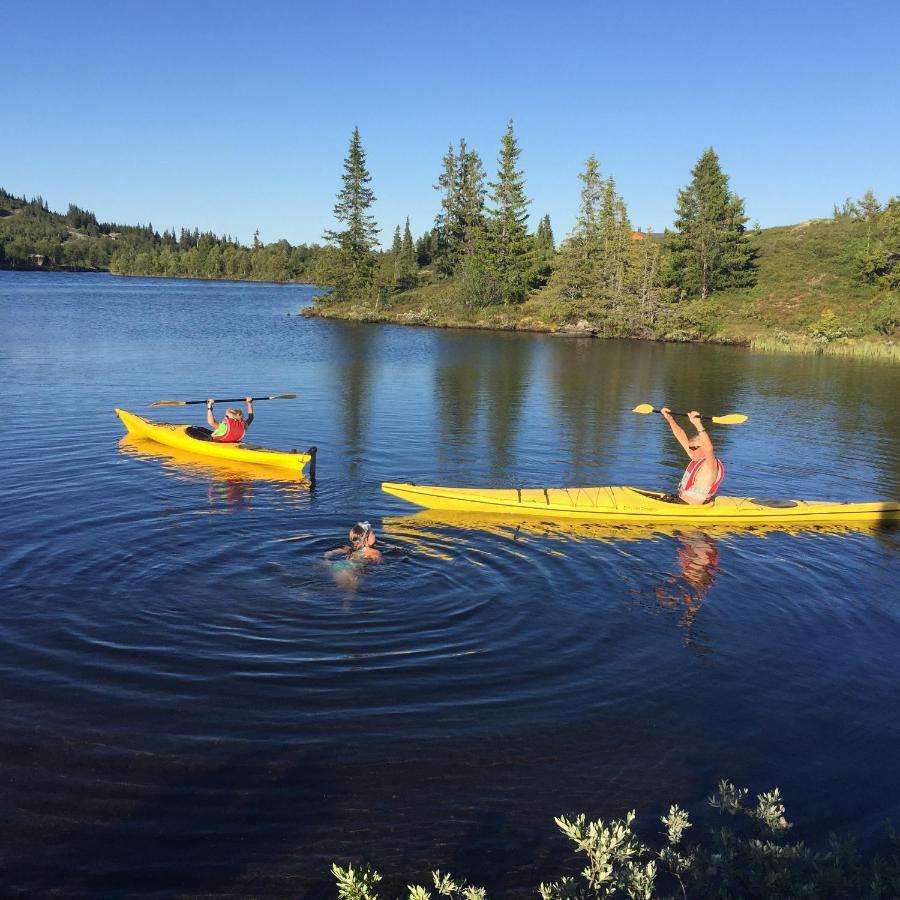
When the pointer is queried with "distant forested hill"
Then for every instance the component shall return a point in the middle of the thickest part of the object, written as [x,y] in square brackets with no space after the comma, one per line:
[32,236]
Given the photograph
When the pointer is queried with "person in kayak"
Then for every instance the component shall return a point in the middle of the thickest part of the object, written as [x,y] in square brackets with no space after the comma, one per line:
[233,427]
[705,472]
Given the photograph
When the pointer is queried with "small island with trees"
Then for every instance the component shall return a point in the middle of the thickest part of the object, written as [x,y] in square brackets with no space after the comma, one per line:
[827,284]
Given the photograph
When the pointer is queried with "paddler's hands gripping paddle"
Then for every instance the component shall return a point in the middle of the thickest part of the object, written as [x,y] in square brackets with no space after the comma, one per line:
[730,419]
[228,400]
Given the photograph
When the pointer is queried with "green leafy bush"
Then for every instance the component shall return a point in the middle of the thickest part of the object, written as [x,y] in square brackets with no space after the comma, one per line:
[751,858]
[827,328]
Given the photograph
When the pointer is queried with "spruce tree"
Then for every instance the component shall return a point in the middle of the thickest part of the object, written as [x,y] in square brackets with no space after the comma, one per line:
[406,265]
[710,249]
[615,242]
[544,242]
[503,250]
[353,263]
[462,203]
[397,243]
[578,270]
[470,191]
[445,220]
[423,249]
[869,207]
[646,285]
[392,260]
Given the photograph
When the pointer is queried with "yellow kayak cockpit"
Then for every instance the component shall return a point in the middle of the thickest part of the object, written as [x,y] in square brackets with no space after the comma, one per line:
[196,440]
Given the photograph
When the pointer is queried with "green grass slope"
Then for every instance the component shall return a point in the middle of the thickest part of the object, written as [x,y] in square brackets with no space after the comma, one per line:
[804,271]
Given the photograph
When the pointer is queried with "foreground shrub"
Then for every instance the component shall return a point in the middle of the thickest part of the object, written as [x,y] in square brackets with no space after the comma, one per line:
[749,857]
[828,328]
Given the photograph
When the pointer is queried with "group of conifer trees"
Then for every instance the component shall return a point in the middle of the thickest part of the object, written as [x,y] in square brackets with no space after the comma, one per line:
[879,261]
[603,269]
[206,255]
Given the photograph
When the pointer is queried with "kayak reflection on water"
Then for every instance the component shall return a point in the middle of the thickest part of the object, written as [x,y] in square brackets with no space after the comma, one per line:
[348,561]
[229,492]
[698,559]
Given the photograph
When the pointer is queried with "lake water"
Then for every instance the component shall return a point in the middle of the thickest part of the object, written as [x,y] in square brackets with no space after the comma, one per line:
[190,704]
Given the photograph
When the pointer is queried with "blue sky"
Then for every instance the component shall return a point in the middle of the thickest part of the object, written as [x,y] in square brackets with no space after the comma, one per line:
[232,117]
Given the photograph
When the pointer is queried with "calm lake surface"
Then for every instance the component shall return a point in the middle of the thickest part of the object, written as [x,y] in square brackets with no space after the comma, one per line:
[189,704]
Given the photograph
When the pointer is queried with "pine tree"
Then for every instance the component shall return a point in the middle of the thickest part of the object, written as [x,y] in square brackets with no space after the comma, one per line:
[710,249]
[543,241]
[406,265]
[879,262]
[615,242]
[502,249]
[445,220]
[578,273]
[646,282]
[869,207]
[470,193]
[390,262]
[423,249]
[462,203]
[353,262]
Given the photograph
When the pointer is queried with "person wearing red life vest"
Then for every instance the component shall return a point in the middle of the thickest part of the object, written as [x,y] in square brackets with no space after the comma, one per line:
[705,472]
[233,426]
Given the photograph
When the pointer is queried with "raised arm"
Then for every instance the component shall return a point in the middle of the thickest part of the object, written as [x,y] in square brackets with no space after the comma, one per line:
[677,430]
[249,411]
[702,439]
[210,418]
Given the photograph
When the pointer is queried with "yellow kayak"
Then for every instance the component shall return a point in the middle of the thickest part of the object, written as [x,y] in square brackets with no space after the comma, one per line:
[627,504]
[196,440]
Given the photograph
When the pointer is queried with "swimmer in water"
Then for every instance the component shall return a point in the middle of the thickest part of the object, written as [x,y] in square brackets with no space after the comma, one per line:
[348,561]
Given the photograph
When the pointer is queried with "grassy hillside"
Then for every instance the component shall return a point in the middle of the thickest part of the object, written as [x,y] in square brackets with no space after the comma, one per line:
[805,270]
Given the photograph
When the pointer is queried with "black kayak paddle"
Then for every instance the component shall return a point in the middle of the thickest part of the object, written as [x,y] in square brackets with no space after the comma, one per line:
[227,400]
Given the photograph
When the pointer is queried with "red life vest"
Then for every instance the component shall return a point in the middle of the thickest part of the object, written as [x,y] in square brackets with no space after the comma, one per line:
[234,431]
[690,476]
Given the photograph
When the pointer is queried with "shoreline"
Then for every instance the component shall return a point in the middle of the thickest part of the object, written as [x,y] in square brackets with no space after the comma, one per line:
[56,270]
[798,345]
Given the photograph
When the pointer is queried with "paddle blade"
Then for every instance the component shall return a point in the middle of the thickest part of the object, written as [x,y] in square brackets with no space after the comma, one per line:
[282,397]
[644,408]
[731,419]
[169,403]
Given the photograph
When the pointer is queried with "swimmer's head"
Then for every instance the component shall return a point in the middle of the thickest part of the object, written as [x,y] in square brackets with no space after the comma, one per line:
[361,535]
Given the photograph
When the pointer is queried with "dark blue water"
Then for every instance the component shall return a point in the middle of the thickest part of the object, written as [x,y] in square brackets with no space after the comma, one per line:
[190,704]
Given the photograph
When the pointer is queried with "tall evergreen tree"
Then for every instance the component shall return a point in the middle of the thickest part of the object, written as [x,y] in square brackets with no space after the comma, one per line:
[461,183]
[423,249]
[646,284]
[352,266]
[406,266]
[444,221]
[615,241]
[397,243]
[880,260]
[710,249]
[578,272]
[503,250]
[543,240]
